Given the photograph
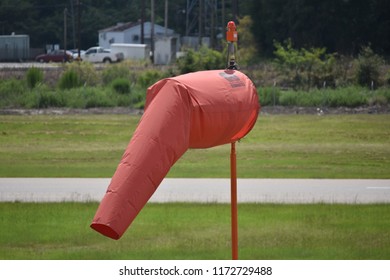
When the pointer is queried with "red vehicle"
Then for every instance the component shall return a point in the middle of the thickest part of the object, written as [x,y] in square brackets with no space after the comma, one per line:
[55,56]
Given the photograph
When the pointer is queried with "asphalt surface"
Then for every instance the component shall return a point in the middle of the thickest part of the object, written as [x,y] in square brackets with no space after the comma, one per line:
[203,190]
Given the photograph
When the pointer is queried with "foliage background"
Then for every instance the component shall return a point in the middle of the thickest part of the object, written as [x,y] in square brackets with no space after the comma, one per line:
[339,26]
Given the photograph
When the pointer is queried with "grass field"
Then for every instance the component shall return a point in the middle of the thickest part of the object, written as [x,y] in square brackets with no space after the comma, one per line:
[198,231]
[279,146]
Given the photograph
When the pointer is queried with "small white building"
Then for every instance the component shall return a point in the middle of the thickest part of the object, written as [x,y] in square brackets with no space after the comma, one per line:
[166,42]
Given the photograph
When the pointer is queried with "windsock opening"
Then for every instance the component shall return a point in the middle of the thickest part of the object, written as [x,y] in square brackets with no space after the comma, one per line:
[105,230]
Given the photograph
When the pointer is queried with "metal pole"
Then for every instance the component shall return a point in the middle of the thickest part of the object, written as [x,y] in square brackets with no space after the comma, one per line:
[65,35]
[78,30]
[142,22]
[152,30]
[166,18]
[200,19]
[233,193]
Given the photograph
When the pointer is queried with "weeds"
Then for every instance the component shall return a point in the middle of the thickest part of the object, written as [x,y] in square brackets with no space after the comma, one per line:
[304,77]
[34,76]
[352,96]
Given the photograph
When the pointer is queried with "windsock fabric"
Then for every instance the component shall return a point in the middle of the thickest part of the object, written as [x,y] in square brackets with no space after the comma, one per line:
[197,110]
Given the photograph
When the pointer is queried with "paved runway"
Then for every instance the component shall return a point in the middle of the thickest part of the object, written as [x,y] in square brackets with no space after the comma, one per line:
[203,190]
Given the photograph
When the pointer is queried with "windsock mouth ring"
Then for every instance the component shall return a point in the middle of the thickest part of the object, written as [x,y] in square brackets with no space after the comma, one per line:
[105,230]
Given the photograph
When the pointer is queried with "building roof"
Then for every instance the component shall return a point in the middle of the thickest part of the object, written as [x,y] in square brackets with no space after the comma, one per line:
[119,27]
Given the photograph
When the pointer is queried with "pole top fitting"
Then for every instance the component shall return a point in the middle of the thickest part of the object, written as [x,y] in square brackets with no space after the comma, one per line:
[231,32]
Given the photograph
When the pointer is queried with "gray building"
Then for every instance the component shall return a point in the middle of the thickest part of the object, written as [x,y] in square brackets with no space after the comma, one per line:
[14,47]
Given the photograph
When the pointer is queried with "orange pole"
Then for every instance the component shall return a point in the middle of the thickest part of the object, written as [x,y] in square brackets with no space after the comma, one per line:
[233,192]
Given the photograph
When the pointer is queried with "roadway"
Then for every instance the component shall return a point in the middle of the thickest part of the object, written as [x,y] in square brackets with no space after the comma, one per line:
[203,190]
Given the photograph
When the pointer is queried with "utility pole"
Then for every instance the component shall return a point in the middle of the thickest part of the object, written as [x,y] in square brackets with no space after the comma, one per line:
[235,11]
[166,18]
[65,31]
[152,30]
[78,29]
[73,24]
[200,22]
[223,13]
[212,23]
[142,22]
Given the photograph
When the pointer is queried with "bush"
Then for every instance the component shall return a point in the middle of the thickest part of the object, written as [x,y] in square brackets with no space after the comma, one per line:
[368,65]
[98,98]
[247,53]
[269,96]
[204,59]
[347,97]
[10,91]
[305,68]
[343,97]
[121,85]
[379,97]
[138,99]
[33,77]
[148,78]
[49,99]
[115,71]
[43,99]
[85,71]
[69,79]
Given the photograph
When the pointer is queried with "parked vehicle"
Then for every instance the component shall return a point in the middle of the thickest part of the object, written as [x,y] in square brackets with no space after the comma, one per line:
[98,54]
[75,53]
[132,51]
[55,56]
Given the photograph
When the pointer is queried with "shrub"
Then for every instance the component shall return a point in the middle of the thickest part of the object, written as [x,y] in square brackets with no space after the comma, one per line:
[204,59]
[33,77]
[148,78]
[305,68]
[368,65]
[49,99]
[379,97]
[269,96]
[343,97]
[43,99]
[138,99]
[10,90]
[95,97]
[115,71]
[121,85]
[387,78]
[85,71]
[247,53]
[69,79]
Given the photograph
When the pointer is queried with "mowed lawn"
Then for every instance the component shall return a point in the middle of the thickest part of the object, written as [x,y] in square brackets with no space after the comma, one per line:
[198,231]
[279,146]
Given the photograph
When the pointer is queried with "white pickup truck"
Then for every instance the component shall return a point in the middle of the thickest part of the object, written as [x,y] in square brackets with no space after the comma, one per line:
[98,54]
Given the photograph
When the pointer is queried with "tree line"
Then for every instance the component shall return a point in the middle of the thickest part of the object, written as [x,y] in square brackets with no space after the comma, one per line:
[343,26]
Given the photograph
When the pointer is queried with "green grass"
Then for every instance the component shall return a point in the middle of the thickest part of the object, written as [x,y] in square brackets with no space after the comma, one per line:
[198,231]
[279,146]
[282,146]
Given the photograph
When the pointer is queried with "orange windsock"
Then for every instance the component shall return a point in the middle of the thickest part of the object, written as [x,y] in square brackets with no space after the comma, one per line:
[196,110]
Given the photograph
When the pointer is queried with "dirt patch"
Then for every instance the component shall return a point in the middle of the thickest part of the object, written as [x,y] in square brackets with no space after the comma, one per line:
[277,110]
[268,110]
[71,111]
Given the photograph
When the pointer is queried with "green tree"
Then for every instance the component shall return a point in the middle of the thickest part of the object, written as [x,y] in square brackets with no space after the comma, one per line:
[368,65]
[304,68]
[247,51]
